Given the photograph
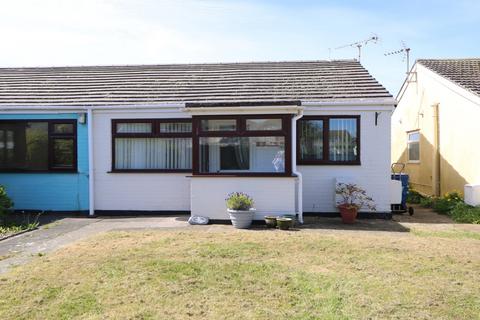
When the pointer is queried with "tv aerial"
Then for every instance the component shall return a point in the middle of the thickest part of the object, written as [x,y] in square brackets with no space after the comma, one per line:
[360,44]
[405,51]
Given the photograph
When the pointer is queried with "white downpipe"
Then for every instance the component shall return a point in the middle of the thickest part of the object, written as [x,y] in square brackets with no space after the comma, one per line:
[91,185]
[294,165]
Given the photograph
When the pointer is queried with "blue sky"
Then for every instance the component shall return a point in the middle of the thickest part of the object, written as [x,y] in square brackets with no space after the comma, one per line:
[106,32]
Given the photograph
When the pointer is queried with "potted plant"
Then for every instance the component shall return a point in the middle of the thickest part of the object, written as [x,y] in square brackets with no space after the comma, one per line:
[284,223]
[352,198]
[240,209]
[271,221]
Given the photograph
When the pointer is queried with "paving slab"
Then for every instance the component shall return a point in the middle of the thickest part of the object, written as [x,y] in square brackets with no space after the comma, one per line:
[22,248]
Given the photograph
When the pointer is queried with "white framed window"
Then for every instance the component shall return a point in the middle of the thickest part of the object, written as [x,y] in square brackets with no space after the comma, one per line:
[413,146]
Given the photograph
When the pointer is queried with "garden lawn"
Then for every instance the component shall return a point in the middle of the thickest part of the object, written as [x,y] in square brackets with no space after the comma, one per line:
[220,273]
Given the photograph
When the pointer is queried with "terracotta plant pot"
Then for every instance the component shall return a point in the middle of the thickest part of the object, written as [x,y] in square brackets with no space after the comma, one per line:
[349,214]
[271,221]
[284,223]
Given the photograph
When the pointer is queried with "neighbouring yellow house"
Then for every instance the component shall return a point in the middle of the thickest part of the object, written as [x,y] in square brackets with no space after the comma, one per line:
[436,125]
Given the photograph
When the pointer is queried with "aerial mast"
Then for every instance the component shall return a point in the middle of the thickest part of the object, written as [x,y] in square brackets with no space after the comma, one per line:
[360,44]
[405,51]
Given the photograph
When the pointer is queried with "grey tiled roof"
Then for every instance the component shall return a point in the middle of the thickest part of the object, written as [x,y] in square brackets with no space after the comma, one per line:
[464,72]
[189,83]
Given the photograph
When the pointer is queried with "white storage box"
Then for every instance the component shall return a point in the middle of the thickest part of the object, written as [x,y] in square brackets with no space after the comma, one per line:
[472,194]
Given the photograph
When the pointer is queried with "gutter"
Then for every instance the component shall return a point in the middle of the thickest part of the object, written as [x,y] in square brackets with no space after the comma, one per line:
[230,110]
[294,165]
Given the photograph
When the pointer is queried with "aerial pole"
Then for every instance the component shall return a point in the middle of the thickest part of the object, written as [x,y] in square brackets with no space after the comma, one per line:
[360,44]
[406,54]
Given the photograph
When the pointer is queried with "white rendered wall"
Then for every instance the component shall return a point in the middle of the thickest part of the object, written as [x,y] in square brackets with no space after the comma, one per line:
[134,191]
[206,195]
[273,196]
[373,174]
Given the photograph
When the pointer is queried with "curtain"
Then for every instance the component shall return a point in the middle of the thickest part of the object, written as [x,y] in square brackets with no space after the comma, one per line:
[133,127]
[153,153]
[175,127]
[343,139]
[242,153]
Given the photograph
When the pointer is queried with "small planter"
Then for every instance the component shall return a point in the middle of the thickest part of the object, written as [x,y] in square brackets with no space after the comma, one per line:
[348,213]
[241,219]
[284,223]
[271,221]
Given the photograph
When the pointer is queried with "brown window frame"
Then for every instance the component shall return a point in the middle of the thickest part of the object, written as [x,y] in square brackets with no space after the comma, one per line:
[154,134]
[241,131]
[326,141]
[51,138]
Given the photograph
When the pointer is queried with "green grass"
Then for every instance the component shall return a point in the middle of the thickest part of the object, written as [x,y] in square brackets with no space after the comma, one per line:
[452,234]
[218,274]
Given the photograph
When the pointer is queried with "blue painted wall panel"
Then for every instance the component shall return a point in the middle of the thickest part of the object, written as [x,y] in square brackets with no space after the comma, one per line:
[51,191]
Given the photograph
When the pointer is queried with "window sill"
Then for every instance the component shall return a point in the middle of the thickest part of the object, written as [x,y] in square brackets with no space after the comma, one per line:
[329,163]
[149,171]
[242,175]
[40,171]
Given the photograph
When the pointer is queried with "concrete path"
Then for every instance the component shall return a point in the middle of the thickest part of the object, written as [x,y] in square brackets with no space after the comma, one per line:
[20,249]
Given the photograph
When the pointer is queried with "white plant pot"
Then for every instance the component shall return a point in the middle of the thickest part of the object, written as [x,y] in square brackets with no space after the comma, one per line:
[241,219]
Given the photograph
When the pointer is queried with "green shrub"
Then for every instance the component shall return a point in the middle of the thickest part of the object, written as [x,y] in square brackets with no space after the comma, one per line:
[5,204]
[239,201]
[446,203]
[426,202]
[414,197]
[464,213]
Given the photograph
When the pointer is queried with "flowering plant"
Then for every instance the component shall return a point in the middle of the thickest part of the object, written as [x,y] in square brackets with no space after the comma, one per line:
[352,196]
[239,201]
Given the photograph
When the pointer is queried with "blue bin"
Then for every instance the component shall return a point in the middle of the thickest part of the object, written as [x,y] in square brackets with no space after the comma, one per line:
[403,177]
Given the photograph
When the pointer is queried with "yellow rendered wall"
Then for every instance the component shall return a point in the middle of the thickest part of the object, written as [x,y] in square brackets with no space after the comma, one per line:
[459,114]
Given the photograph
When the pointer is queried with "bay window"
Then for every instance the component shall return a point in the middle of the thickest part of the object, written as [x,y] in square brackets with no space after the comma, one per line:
[38,145]
[242,145]
[152,145]
[328,140]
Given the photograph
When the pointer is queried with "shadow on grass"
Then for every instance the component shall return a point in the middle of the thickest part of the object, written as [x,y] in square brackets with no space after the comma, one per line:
[326,223]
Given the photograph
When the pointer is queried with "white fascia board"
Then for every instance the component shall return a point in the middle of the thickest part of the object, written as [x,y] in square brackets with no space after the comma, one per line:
[353,108]
[452,86]
[245,109]
[66,108]
[352,102]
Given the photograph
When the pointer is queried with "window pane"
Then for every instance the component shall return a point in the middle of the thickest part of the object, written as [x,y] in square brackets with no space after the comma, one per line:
[414,151]
[153,153]
[63,153]
[343,140]
[140,127]
[62,128]
[219,125]
[244,154]
[311,140]
[264,124]
[24,145]
[175,127]
[414,136]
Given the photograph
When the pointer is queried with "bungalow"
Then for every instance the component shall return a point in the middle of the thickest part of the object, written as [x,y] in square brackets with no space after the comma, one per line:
[179,138]
[434,125]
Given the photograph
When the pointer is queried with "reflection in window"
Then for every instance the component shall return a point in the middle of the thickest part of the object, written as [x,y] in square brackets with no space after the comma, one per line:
[413,145]
[242,154]
[342,139]
[219,125]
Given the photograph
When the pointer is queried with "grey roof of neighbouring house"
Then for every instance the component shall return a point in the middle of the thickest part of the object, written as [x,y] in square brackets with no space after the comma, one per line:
[464,72]
[189,83]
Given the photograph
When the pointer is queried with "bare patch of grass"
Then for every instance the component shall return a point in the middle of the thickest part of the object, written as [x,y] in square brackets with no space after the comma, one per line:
[249,274]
